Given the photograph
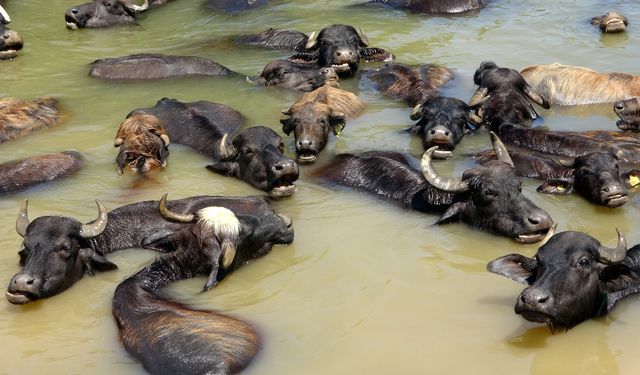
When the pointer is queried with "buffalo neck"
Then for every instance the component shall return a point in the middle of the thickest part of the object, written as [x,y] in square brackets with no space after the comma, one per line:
[632,261]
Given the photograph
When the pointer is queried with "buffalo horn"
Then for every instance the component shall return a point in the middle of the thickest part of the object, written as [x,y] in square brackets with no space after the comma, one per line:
[22,222]
[363,37]
[443,183]
[416,113]
[226,150]
[118,142]
[97,226]
[167,214]
[501,151]
[479,97]
[165,139]
[616,255]
[286,112]
[536,98]
[550,233]
[135,8]
[313,38]
[4,15]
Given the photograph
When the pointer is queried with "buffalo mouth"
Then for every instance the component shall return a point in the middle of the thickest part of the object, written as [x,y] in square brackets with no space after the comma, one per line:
[20,298]
[11,44]
[307,157]
[614,25]
[282,191]
[544,318]
[533,237]
[345,68]
[71,23]
[627,125]
[617,200]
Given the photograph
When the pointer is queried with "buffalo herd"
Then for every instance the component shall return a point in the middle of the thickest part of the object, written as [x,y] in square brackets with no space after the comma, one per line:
[571,278]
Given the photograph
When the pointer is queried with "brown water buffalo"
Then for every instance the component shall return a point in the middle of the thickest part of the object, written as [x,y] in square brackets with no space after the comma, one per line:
[58,251]
[414,85]
[143,143]
[319,112]
[442,122]
[18,175]
[597,175]
[103,13]
[572,278]
[22,117]
[169,337]
[629,112]
[611,22]
[156,66]
[10,41]
[435,6]
[234,6]
[575,85]
[488,197]
[301,77]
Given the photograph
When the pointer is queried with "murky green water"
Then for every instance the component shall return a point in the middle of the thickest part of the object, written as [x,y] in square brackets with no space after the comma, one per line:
[366,287]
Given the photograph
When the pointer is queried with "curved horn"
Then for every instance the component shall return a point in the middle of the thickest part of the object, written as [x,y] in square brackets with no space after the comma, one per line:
[228,253]
[311,42]
[135,8]
[165,139]
[118,142]
[4,15]
[616,255]
[550,233]
[226,149]
[169,215]
[536,98]
[97,226]
[479,97]
[286,112]
[501,151]
[363,37]
[22,222]
[452,185]
[416,113]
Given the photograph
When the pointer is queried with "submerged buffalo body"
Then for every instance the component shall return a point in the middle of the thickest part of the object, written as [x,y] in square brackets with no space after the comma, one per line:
[169,337]
[572,278]
[611,22]
[156,66]
[487,197]
[21,174]
[234,6]
[435,6]
[22,117]
[301,77]
[103,13]
[58,251]
[575,85]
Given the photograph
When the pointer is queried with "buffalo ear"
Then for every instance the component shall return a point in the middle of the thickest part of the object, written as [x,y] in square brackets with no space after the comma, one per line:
[452,214]
[93,261]
[632,178]
[556,187]
[23,254]
[287,126]
[514,266]
[163,241]
[376,54]
[226,168]
[618,277]
[337,122]
[162,155]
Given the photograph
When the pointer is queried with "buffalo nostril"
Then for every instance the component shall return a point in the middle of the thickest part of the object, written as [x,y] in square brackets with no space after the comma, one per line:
[279,167]
[433,132]
[446,133]
[619,106]
[534,220]
[606,189]
[338,53]
[5,36]
[543,299]
[74,11]
[30,281]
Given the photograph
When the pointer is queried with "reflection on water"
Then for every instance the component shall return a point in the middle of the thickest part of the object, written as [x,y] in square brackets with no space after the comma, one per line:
[366,287]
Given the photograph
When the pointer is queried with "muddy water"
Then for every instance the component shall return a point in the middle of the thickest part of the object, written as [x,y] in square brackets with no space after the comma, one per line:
[366,287]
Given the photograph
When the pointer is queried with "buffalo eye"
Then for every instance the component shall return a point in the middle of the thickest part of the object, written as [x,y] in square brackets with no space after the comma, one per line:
[64,252]
[247,152]
[584,263]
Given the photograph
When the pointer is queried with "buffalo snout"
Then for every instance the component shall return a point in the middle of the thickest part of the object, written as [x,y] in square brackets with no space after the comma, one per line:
[534,304]
[613,194]
[23,288]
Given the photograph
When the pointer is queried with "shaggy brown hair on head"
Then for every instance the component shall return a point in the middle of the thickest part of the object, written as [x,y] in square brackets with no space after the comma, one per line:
[336,99]
[138,124]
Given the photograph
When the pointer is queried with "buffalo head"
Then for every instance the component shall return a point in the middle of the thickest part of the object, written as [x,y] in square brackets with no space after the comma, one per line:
[301,77]
[568,279]
[629,113]
[143,143]
[56,252]
[611,22]
[10,41]
[103,13]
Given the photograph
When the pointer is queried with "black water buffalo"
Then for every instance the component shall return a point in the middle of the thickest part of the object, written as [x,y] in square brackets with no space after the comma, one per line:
[611,22]
[288,40]
[169,337]
[258,159]
[572,278]
[596,175]
[414,85]
[18,175]
[58,251]
[10,41]
[503,97]
[234,6]
[143,144]
[317,114]
[487,197]
[435,6]
[22,117]
[442,122]
[103,13]
[301,77]
[629,113]
[156,66]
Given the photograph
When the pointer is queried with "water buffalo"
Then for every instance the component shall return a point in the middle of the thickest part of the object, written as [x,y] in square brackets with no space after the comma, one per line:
[10,41]
[611,22]
[575,85]
[414,85]
[143,143]
[572,278]
[156,66]
[234,6]
[435,6]
[22,117]
[442,122]
[18,175]
[57,251]
[301,77]
[169,337]
[288,40]
[503,97]
[103,13]
[629,112]
[596,175]
[257,158]
[487,197]
[318,113]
